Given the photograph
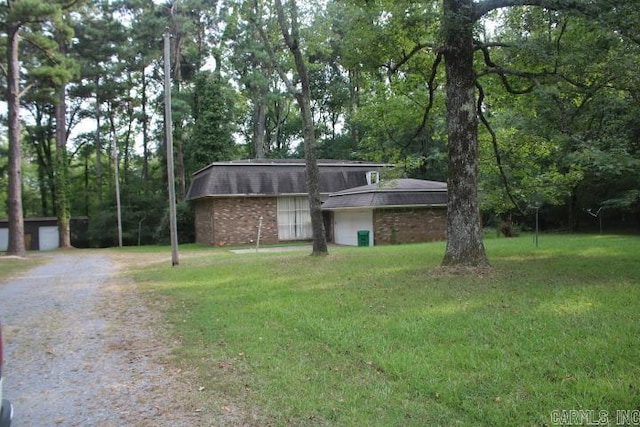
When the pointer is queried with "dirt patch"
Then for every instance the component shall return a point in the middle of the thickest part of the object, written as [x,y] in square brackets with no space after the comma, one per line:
[158,393]
[189,402]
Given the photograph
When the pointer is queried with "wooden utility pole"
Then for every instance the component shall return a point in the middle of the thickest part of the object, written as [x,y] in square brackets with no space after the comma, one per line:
[173,229]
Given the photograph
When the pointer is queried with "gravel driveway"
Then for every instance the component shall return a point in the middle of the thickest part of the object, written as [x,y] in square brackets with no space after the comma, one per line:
[83,349]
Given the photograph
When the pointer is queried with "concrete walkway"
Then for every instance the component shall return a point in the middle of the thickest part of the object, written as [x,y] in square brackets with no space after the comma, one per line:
[273,249]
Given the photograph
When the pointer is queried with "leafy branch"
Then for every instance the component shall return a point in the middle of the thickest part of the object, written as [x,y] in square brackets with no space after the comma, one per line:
[496,151]
[258,24]
[503,73]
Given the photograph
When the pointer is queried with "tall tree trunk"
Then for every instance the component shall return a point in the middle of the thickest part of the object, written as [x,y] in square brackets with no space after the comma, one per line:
[291,35]
[40,139]
[303,97]
[312,172]
[86,182]
[16,221]
[181,179]
[129,141]
[145,129]
[464,228]
[99,148]
[61,170]
[311,163]
[573,220]
[259,126]
[354,103]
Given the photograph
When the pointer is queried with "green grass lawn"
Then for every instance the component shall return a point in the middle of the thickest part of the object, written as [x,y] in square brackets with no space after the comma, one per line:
[380,337]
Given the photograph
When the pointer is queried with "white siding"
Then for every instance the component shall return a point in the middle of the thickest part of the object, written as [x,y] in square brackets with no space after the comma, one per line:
[348,223]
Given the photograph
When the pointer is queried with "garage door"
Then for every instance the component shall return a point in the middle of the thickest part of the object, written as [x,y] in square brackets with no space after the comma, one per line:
[348,223]
[4,239]
[48,238]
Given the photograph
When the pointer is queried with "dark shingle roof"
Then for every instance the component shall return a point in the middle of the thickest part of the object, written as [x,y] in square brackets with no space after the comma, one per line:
[392,193]
[275,177]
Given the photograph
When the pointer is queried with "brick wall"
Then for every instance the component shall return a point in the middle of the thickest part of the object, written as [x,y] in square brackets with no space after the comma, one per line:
[409,225]
[236,220]
[203,215]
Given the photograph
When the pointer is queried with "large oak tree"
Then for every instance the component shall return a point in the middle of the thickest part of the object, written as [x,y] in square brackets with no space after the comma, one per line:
[464,228]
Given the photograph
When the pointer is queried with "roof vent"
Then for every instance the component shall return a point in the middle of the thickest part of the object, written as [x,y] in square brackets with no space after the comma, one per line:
[373,177]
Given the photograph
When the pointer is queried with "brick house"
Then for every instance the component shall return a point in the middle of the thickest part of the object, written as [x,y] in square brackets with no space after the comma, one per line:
[388,212]
[234,200]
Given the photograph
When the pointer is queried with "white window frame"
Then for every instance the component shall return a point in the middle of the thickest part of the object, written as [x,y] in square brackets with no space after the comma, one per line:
[373,177]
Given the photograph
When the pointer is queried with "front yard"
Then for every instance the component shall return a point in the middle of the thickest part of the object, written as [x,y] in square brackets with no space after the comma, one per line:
[381,336]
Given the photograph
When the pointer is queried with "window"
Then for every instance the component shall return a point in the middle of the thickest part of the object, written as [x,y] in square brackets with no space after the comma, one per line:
[372,177]
[294,218]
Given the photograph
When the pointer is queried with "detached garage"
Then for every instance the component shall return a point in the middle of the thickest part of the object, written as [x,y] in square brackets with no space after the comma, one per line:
[42,233]
[389,212]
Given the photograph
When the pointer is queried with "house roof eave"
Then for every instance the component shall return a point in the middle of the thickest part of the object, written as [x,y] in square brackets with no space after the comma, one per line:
[276,177]
[382,207]
[292,163]
[227,196]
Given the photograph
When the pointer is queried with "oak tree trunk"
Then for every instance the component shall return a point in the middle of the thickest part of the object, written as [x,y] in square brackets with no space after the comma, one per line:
[464,228]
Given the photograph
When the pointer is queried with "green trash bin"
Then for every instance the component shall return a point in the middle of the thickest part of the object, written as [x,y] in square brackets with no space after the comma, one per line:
[363,238]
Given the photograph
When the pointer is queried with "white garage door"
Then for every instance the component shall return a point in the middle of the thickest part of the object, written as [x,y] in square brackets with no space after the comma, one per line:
[348,223]
[48,238]
[4,239]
